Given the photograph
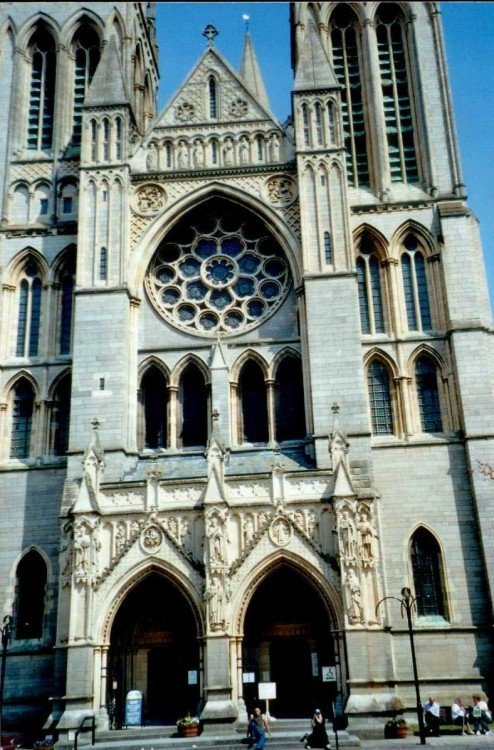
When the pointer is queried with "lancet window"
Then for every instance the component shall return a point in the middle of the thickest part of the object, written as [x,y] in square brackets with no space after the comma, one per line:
[42,90]
[29,311]
[193,407]
[60,417]
[253,404]
[369,288]
[380,398]
[289,400]
[415,286]
[30,596]
[153,397]
[428,395]
[22,419]
[398,114]
[86,50]
[427,568]
[347,70]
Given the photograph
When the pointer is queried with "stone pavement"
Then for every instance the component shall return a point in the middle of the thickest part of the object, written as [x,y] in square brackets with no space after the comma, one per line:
[455,742]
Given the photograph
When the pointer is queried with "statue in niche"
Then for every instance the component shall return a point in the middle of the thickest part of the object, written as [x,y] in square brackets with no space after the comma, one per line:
[249,530]
[348,542]
[152,158]
[218,540]
[183,155]
[263,519]
[198,154]
[82,547]
[298,517]
[134,527]
[275,148]
[355,604]
[244,150]
[312,524]
[184,531]
[367,534]
[215,595]
[228,151]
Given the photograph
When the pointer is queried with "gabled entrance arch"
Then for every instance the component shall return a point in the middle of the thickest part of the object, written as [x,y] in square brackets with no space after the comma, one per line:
[290,632]
[154,648]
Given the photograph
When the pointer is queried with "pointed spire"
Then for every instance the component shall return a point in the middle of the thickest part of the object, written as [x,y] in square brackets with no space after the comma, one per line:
[250,72]
[107,86]
[314,71]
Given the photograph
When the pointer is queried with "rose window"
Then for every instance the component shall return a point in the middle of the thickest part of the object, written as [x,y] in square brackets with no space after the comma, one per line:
[218,275]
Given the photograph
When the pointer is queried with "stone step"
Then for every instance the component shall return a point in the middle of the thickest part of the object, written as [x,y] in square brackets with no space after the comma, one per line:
[161,738]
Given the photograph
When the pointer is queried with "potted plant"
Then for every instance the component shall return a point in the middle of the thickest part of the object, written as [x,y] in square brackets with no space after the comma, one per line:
[395,728]
[188,726]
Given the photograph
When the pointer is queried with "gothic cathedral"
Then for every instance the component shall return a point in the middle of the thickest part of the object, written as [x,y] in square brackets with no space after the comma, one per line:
[246,373]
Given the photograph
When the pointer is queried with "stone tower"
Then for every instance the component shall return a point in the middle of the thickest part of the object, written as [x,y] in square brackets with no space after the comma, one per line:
[246,372]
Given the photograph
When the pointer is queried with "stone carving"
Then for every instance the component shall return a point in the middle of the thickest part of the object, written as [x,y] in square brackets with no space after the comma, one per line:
[67,555]
[274,146]
[120,538]
[280,190]
[228,152]
[367,535]
[249,530]
[244,150]
[239,107]
[216,597]
[348,537]
[149,199]
[217,534]
[152,158]
[86,548]
[183,155]
[185,112]
[280,532]
[198,154]
[355,607]
[172,527]
[152,538]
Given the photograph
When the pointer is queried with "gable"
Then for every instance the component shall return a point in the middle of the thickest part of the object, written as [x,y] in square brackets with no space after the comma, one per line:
[235,103]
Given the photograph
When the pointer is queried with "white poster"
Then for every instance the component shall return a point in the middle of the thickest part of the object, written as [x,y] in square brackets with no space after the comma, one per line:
[315,663]
[192,677]
[267,691]
[328,674]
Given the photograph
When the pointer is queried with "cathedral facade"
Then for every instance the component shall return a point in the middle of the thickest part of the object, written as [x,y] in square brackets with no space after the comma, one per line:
[246,373]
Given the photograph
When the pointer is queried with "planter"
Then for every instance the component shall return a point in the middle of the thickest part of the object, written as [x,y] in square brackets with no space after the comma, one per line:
[395,731]
[188,731]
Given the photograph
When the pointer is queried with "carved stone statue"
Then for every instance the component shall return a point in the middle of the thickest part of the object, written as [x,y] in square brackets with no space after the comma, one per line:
[275,148]
[348,541]
[183,155]
[198,154]
[367,534]
[218,539]
[249,530]
[355,604]
[215,595]
[228,151]
[244,150]
[120,538]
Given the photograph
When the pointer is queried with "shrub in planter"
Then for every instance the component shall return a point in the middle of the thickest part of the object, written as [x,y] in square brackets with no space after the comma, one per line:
[395,729]
[188,726]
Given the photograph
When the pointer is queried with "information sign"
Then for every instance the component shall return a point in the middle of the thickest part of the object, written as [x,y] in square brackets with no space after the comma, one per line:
[249,677]
[192,677]
[133,709]
[267,691]
[328,674]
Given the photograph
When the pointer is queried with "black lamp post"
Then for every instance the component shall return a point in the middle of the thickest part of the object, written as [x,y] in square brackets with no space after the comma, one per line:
[6,634]
[407,603]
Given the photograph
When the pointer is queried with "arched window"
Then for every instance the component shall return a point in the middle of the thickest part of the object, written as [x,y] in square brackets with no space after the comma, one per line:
[30,596]
[41,208]
[213,98]
[94,140]
[103,264]
[42,90]
[428,395]
[318,117]
[369,288]
[66,279]
[253,404]
[86,51]
[29,311]
[22,419]
[168,155]
[214,151]
[347,71]
[379,398]
[20,205]
[106,139]
[260,147]
[331,124]
[153,398]
[118,138]
[68,202]
[428,576]
[60,416]
[328,249]
[193,399]
[415,287]
[305,122]
[289,400]
[396,94]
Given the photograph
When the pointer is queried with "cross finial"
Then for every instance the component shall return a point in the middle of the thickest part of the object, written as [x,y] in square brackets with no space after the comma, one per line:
[210,32]
[95,424]
[246,18]
[335,408]
[215,415]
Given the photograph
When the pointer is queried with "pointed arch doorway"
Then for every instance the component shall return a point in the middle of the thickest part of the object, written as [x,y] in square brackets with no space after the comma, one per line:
[154,648]
[288,638]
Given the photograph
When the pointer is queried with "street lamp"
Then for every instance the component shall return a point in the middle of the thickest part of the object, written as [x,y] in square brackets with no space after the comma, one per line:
[6,634]
[407,603]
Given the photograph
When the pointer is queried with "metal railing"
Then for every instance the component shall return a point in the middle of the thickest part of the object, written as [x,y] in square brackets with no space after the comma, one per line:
[82,728]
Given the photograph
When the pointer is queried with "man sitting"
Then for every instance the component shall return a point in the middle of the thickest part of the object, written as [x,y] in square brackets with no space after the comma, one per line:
[431,716]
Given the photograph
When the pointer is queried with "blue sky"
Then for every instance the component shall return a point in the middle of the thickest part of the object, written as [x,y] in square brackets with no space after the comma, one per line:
[469,34]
